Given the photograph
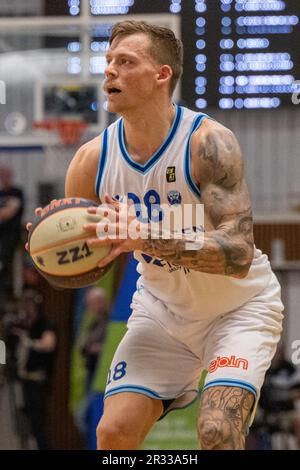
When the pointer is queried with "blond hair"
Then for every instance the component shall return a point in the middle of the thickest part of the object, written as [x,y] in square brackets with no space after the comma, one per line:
[165,48]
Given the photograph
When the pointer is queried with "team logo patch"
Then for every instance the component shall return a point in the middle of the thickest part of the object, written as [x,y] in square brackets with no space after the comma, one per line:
[171,174]
[174,197]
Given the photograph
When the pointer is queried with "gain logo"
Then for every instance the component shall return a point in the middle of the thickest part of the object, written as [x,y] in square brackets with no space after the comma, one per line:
[225,361]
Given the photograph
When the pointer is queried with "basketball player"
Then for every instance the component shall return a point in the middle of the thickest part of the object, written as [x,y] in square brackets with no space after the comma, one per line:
[216,308]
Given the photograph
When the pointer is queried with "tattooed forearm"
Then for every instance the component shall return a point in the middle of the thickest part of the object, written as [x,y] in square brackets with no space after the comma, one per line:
[224,417]
[227,251]
[236,242]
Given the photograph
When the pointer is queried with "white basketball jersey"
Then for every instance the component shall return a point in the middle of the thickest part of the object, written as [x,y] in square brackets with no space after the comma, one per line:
[166,179]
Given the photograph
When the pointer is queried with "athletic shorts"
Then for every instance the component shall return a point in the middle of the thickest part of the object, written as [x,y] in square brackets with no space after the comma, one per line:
[162,355]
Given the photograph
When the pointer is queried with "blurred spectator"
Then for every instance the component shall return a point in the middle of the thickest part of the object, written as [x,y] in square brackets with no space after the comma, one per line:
[92,339]
[89,344]
[278,416]
[11,209]
[31,277]
[35,351]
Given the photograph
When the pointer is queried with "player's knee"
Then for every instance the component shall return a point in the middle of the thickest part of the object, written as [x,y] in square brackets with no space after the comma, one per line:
[113,435]
[220,432]
[108,435]
[209,433]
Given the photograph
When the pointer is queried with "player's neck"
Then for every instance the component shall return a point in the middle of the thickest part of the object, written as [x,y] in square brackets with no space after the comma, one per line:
[145,131]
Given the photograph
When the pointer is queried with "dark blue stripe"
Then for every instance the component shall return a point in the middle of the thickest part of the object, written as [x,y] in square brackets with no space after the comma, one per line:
[231,382]
[187,159]
[102,161]
[143,168]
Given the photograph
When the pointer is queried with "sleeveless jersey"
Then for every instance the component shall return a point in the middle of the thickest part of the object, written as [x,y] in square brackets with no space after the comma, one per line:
[166,179]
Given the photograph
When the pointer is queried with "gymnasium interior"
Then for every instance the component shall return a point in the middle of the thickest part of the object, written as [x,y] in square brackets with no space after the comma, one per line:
[242,68]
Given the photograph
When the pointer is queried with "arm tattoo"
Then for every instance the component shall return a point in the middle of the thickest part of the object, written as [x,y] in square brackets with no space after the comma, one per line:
[221,252]
[216,150]
[228,249]
[224,417]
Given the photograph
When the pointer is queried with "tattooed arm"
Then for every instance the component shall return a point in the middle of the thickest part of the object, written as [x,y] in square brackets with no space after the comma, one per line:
[217,167]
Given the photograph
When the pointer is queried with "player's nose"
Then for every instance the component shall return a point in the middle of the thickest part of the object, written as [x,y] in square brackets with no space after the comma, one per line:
[110,70]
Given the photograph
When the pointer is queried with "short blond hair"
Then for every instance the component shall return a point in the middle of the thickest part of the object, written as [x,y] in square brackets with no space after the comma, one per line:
[165,48]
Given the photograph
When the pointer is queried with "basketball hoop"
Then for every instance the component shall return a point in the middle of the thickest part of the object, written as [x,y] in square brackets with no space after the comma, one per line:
[69,130]
[59,151]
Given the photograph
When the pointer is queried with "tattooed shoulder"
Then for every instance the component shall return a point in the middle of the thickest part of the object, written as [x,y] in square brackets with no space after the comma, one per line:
[217,155]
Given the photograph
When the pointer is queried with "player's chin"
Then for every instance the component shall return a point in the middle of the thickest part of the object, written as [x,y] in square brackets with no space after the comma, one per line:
[115,104]
[114,108]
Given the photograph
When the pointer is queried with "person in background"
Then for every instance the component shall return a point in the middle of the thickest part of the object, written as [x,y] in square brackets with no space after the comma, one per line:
[278,401]
[35,351]
[93,337]
[11,210]
[90,343]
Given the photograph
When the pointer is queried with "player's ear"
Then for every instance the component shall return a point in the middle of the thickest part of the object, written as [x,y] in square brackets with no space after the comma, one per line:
[165,74]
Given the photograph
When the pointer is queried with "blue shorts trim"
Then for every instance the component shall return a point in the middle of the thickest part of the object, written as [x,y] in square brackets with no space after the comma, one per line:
[231,383]
[146,391]
[135,388]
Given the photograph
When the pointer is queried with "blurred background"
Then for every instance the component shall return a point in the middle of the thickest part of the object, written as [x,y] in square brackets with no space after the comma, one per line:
[242,67]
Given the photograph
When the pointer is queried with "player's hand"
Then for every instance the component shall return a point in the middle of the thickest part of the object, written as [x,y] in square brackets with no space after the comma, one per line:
[37,213]
[118,226]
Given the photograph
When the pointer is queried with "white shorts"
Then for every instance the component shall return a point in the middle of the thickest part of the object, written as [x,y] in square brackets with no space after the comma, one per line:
[162,355]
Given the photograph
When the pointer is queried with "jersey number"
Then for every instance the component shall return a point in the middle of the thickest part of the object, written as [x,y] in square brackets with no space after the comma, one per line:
[118,372]
[152,204]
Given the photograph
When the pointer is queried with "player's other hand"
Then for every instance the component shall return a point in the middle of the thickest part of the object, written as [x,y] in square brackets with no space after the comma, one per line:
[114,228]
[37,213]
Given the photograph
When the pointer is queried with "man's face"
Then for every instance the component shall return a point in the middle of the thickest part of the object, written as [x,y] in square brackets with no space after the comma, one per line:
[131,73]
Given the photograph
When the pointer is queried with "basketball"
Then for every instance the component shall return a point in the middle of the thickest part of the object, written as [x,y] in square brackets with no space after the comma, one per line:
[57,244]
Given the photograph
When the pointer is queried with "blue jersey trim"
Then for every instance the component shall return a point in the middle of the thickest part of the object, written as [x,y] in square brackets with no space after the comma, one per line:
[143,168]
[187,158]
[134,388]
[232,383]
[102,162]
